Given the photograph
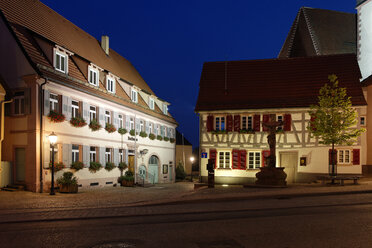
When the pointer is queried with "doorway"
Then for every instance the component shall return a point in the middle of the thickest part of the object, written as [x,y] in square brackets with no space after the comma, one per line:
[154,168]
[288,160]
[131,163]
[20,164]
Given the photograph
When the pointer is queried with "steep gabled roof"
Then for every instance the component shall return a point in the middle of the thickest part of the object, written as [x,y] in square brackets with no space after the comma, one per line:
[275,83]
[38,29]
[320,32]
[181,139]
[359,2]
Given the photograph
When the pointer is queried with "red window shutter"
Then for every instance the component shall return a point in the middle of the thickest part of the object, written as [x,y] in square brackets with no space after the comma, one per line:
[287,122]
[243,159]
[210,123]
[330,156]
[213,155]
[265,119]
[229,123]
[236,162]
[356,156]
[256,123]
[265,154]
[236,123]
[312,119]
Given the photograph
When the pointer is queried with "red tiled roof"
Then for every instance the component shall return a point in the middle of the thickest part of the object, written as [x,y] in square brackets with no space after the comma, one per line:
[275,83]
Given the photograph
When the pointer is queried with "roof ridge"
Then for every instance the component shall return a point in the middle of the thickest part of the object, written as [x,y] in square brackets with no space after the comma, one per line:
[291,39]
[316,46]
[330,10]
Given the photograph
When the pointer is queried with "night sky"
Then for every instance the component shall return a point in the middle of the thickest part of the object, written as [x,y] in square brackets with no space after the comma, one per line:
[168,41]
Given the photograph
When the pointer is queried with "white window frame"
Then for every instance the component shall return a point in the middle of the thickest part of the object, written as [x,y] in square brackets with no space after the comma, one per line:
[165,109]
[19,105]
[108,155]
[92,154]
[92,70]
[75,153]
[151,103]
[131,123]
[363,121]
[247,122]
[53,103]
[134,96]
[120,121]
[57,56]
[107,117]
[256,163]
[74,109]
[218,121]
[142,126]
[110,84]
[150,127]
[92,113]
[55,154]
[224,162]
[279,118]
[344,156]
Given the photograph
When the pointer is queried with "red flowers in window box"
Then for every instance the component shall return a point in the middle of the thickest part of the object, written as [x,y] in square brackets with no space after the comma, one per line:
[57,166]
[94,125]
[110,128]
[78,122]
[56,117]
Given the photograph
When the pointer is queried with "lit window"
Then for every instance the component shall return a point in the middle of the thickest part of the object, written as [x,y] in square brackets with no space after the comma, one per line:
[131,123]
[60,61]
[93,76]
[362,120]
[165,109]
[254,160]
[75,153]
[107,117]
[152,103]
[247,122]
[19,103]
[121,155]
[92,154]
[55,154]
[92,113]
[110,85]
[220,123]
[75,108]
[121,122]
[53,100]
[344,157]
[224,159]
[108,155]
[134,96]
[142,128]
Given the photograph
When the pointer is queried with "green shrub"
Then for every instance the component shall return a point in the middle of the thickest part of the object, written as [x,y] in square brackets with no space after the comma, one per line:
[122,131]
[152,136]
[132,132]
[166,139]
[159,137]
[109,166]
[67,179]
[172,140]
[127,177]
[143,134]
[122,166]
[77,165]
[180,172]
[94,166]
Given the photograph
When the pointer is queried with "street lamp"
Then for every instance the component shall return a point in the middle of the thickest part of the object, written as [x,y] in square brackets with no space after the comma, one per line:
[53,141]
[192,163]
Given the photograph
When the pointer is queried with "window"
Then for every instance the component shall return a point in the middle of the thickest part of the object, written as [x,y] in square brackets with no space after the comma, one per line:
[152,103]
[75,109]
[92,113]
[131,122]
[92,154]
[121,155]
[110,85]
[121,122]
[93,76]
[53,100]
[362,120]
[55,155]
[220,123]
[344,156]
[254,160]
[75,153]
[60,61]
[134,96]
[247,122]
[150,128]
[107,117]
[165,109]
[108,155]
[142,128]
[224,160]
[19,103]
[279,118]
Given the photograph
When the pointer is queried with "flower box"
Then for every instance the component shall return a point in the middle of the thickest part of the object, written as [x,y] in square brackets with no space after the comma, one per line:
[122,131]
[78,122]
[56,117]
[110,128]
[94,125]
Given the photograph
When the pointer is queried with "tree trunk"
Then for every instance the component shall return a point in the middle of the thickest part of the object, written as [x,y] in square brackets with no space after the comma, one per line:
[333,172]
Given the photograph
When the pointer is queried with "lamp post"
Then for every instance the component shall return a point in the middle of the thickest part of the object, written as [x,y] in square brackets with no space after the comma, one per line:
[192,163]
[53,140]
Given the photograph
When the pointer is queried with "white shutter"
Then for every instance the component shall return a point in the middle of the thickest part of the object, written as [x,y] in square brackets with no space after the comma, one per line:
[86,150]
[101,113]
[85,107]
[137,123]
[46,155]
[115,119]
[127,123]
[126,155]
[46,102]
[66,107]
[147,127]
[116,156]
[102,156]
[66,153]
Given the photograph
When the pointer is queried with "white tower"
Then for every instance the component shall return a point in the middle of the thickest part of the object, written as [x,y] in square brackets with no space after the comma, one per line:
[364,37]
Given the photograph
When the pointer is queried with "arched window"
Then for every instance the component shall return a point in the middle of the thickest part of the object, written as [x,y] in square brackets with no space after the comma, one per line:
[153,160]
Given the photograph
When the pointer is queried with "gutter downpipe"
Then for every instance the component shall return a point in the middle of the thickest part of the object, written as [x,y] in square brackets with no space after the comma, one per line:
[2,129]
[41,97]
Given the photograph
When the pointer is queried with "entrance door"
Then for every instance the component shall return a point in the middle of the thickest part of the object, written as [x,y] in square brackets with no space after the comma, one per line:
[154,168]
[20,165]
[289,161]
[131,163]
[142,171]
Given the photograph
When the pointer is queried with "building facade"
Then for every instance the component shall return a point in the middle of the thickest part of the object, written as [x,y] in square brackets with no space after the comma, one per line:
[63,80]
[237,97]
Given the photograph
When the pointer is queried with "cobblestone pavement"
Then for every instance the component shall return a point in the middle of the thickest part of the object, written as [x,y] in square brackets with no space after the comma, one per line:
[123,201]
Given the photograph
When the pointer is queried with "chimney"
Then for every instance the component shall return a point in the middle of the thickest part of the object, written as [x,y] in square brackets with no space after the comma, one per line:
[105,44]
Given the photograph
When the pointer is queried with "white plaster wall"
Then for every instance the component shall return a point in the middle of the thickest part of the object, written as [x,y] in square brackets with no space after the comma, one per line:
[365,38]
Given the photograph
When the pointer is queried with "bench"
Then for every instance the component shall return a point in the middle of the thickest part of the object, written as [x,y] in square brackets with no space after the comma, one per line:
[340,178]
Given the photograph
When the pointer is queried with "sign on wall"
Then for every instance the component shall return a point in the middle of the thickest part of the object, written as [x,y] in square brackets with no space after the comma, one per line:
[204,155]
[303,161]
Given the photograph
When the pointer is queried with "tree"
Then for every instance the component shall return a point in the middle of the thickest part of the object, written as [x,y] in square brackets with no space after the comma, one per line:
[334,119]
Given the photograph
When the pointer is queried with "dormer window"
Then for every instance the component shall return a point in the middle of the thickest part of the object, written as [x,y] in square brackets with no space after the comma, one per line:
[152,103]
[93,76]
[134,96]
[165,109]
[110,84]
[60,61]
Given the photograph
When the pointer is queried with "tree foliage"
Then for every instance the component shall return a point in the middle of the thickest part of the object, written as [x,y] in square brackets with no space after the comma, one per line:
[334,119]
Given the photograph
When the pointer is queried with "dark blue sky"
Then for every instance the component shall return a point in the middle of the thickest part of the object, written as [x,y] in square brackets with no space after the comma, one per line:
[168,41]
